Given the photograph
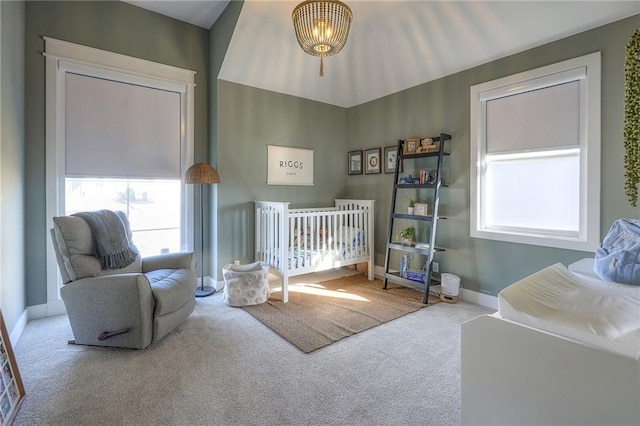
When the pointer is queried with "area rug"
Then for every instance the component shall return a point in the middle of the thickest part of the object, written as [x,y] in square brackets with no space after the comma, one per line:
[320,314]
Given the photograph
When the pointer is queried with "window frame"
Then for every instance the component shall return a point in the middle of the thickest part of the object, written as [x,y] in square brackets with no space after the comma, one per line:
[62,57]
[586,70]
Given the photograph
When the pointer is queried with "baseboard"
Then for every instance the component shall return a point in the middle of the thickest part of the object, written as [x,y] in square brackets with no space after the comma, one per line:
[15,334]
[55,307]
[210,282]
[37,311]
[477,298]
[44,310]
[50,309]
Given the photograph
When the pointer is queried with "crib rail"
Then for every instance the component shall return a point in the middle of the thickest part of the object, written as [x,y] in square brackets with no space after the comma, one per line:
[297,241]
[271,229]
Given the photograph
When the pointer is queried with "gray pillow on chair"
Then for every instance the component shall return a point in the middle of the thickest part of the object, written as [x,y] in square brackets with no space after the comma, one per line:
[77,250]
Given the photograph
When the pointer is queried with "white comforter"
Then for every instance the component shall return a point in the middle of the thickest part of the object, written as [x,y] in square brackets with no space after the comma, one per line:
[597,313]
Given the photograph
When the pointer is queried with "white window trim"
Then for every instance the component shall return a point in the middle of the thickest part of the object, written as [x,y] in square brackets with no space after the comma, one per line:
[2,265]
[589,235]
[62,57]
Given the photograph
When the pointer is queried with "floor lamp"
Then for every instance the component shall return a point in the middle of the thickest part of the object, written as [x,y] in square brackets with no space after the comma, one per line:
[201,174]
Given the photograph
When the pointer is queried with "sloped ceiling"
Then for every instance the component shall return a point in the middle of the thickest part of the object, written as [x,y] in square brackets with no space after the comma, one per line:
[395,45]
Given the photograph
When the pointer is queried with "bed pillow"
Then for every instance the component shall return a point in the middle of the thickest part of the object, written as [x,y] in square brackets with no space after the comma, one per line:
[618,257]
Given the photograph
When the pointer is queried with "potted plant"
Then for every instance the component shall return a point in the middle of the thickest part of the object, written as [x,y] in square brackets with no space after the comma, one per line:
[411,204]
[407,235]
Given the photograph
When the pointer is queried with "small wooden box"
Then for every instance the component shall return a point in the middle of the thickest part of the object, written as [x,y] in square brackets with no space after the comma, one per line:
[448,299]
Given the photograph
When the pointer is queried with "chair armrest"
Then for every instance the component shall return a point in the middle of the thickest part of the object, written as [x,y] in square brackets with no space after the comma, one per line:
[111,303]
[181,260]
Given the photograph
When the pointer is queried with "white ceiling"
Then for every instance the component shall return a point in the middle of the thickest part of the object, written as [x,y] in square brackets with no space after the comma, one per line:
[202,13]
[393,45]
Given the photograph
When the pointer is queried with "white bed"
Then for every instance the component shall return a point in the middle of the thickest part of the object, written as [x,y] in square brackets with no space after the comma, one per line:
[563,348]
[299,241]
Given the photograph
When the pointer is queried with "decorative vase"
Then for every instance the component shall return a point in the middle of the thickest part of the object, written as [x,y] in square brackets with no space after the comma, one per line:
[407,241]
[410,209]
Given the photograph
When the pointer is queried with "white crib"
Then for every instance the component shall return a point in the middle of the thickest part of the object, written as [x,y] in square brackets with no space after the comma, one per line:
[299,241]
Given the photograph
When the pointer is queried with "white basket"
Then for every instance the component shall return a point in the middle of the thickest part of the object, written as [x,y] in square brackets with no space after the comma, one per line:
[450,284]
[245,285]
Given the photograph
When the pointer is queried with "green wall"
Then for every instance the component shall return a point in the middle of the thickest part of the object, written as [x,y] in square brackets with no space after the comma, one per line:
[443,106]
[113,26]
[244,120]
[248,120]
[12,253]
[219,39]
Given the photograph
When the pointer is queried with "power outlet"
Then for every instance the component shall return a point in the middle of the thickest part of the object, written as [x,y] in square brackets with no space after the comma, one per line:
[436,267]
[236,262]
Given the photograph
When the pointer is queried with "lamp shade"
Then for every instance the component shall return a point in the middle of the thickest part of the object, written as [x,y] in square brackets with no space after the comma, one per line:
[201,173]
[322,27]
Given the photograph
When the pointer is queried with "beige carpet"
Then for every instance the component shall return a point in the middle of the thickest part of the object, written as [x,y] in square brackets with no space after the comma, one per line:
[224,367]
[320,314]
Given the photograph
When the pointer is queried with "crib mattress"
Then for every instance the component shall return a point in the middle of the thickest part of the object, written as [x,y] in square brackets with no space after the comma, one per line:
[597,313]
[302,258]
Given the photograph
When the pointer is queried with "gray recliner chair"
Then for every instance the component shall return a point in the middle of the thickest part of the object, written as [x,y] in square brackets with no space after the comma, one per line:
[129,307]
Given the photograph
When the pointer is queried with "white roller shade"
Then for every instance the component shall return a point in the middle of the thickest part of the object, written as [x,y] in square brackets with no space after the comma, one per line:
[540,119]
[120,130]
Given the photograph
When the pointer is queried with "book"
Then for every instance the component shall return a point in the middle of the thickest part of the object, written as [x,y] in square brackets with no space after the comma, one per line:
[405,263]
[415,275]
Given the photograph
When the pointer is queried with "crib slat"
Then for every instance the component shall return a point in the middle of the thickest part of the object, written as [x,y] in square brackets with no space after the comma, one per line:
[298,241]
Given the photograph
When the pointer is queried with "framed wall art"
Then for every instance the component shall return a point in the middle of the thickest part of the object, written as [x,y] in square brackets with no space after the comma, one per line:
[11,388]
[372,161]
[354,160]
[391,158]
[289,166]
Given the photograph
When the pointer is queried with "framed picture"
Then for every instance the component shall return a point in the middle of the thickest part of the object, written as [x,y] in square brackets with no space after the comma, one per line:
[420,209]
[354,159]
[410,145]
[372,161]
[391,158]
[431,176]
[11,388]
[289,165]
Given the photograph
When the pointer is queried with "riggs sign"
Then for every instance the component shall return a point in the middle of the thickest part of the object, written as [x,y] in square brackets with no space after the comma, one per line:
[289,166]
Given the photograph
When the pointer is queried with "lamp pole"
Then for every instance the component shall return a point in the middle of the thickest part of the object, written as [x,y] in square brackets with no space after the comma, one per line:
[201,173]
[202,291]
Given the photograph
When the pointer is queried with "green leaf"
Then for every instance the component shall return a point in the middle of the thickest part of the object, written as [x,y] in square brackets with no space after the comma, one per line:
[632,118]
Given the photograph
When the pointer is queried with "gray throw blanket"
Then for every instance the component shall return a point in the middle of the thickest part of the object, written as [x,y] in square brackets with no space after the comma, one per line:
[110,237]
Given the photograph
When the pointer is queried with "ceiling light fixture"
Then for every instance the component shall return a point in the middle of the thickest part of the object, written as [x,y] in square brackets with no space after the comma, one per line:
[322,27]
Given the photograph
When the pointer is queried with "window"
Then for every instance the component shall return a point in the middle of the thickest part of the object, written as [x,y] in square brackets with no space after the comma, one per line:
[122,152]
[150,205]
[119,136]
[535,156]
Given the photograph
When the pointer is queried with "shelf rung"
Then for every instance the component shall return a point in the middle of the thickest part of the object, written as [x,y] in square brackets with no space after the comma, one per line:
[413,248]
[422,155]
[414,217]
[418,185]
[396,278]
